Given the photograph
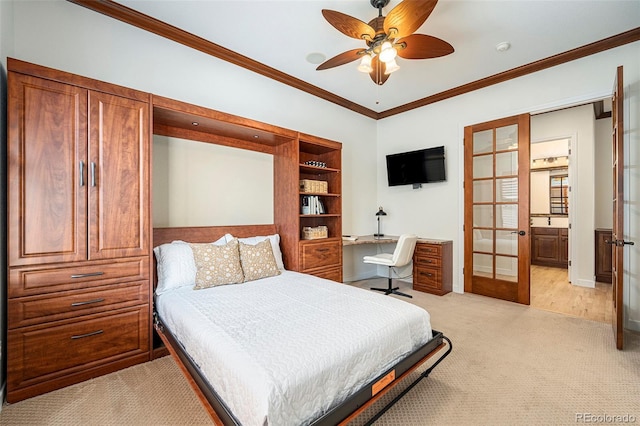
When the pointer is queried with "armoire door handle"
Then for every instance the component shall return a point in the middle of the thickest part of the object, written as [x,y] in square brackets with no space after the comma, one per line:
[82,173]
[93,174]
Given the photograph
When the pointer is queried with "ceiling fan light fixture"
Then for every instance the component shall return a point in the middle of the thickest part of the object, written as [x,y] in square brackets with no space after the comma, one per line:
[391,66]
[365,64]
[386,37]
[387,52]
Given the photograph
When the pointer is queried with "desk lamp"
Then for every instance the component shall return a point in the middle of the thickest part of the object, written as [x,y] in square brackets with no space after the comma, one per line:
[379,213]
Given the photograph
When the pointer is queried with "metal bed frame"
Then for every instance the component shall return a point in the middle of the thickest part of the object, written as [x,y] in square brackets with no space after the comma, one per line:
[342,414]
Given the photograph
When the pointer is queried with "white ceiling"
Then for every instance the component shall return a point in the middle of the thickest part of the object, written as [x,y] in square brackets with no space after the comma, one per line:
[281,34]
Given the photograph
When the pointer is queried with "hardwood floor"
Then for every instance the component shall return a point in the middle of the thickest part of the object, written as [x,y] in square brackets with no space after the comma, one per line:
[551,291]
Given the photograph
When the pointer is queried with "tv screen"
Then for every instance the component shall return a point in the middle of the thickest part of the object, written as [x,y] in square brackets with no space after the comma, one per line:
[414,167]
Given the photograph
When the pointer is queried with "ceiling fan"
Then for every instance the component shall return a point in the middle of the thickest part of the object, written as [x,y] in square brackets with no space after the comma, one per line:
[387,37]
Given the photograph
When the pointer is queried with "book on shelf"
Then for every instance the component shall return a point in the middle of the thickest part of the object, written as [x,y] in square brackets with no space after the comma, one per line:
[311,204]
[306,208]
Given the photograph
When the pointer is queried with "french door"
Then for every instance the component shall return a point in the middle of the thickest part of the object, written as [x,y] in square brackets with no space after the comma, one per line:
[617,238]
[496,212]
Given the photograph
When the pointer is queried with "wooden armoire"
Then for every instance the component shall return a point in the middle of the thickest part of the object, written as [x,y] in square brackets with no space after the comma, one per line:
[78,229]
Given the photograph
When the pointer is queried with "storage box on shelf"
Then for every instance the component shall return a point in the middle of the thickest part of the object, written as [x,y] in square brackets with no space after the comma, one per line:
[317,232]
[314,186]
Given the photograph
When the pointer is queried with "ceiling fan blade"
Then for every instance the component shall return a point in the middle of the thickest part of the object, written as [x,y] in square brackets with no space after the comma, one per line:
[349,25]
[420,46]
[341,59]
[407,17]
[377,74]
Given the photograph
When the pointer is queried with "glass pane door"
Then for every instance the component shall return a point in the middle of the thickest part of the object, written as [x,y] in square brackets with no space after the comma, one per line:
[494,200]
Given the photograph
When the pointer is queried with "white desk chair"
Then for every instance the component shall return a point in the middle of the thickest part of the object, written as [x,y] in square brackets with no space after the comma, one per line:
[401,256]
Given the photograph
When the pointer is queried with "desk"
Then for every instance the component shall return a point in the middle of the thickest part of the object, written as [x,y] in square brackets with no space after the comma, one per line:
[365,245]
[370,239]
[432,269]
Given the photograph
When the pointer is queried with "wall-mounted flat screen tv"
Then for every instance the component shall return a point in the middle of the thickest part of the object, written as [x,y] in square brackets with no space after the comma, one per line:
[416,167]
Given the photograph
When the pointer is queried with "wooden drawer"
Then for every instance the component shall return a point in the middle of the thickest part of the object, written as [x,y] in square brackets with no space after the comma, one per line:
[428,261]
[46,352]
[425,249]
[38,280]
[430,278]
[333,274]
[32,310]
[432,267]
[319,254]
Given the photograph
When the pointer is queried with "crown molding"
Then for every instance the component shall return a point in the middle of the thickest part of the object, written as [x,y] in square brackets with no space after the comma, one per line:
[170,32]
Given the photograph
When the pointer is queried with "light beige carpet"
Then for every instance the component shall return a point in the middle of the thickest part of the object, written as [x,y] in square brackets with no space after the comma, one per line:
[511,365]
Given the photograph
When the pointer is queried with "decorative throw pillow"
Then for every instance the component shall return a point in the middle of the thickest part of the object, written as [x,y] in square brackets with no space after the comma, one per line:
[275,246]
[176,267]
[258,261]
[217,265]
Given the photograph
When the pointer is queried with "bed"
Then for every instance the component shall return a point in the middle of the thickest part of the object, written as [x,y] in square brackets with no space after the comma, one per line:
[290,348]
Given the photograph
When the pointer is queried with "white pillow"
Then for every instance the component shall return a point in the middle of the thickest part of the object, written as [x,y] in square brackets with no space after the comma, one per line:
[275,246]
[176,266]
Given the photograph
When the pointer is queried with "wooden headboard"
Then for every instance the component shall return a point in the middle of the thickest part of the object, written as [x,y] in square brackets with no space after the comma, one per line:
[205,234]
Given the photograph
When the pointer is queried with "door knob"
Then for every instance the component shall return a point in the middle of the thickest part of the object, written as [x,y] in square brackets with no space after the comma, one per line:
[519,232]
[619,243]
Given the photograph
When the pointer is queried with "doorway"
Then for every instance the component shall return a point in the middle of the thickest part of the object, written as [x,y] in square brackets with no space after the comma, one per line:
[563,261]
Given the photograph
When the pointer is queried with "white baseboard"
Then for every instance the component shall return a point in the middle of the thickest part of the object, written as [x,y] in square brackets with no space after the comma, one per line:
[358,277]
[585,283]
[633,325]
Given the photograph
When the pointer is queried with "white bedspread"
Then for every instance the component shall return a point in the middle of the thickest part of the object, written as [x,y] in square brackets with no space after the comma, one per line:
[283,350]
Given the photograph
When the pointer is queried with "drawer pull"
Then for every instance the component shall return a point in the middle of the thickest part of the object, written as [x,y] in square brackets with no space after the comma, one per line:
[80,336]
[90,274]
[429,274]
[88,302]
[322,250]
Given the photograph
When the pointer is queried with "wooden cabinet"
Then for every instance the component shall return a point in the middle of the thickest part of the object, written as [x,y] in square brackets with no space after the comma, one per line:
[315,159]
[76,192]
[603,250]
[78,229]
[433,266]
[550,247]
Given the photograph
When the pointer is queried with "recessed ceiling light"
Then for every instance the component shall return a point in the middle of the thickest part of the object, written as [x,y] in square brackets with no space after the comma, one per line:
[316,58]
[503,47]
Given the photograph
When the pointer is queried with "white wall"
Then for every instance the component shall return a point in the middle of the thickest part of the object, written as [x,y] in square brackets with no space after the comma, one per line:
[603,181]
[436,210]
[6,49]
[202,184]
[578,124]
